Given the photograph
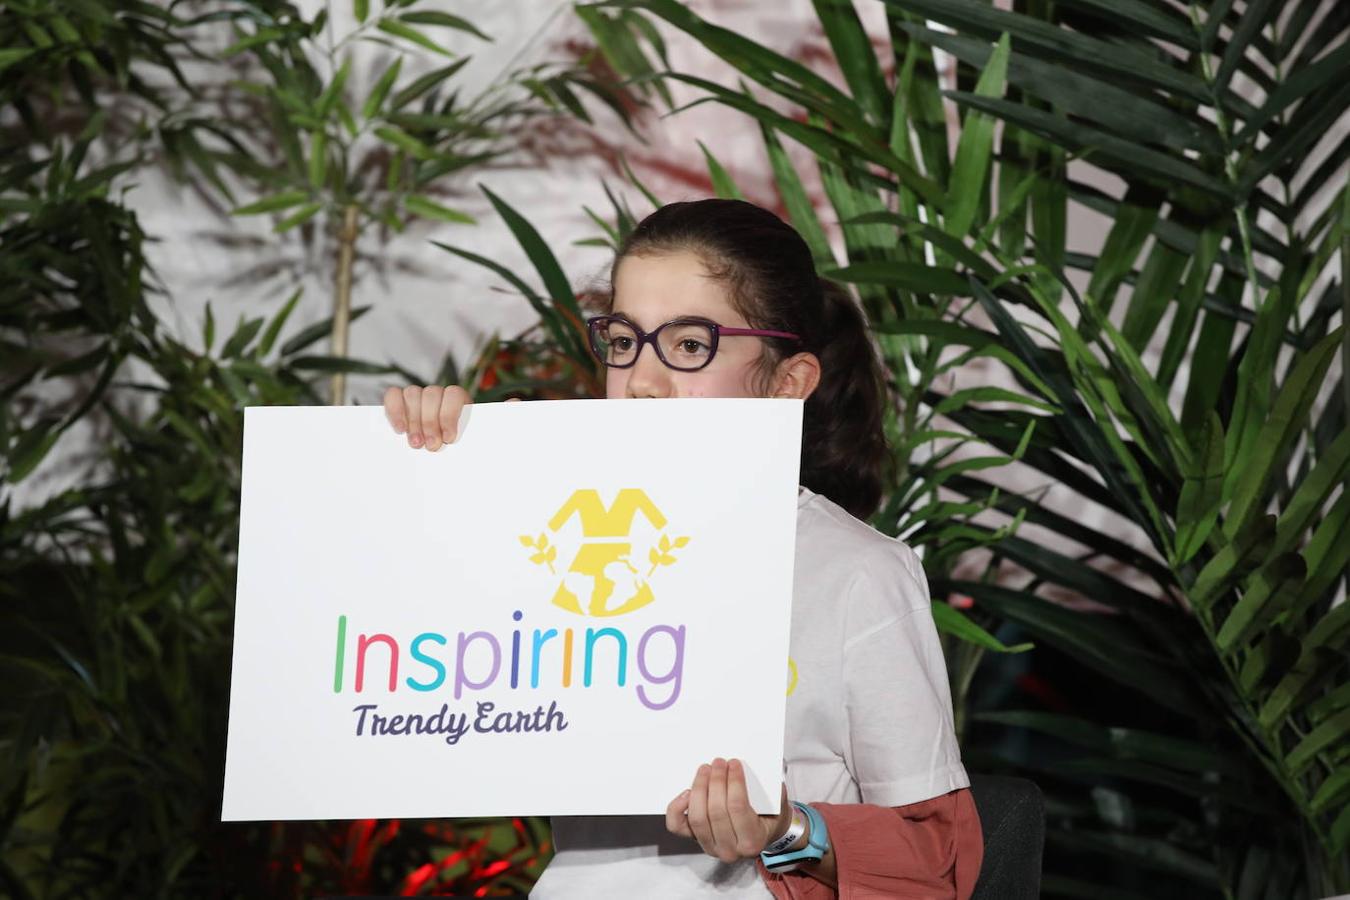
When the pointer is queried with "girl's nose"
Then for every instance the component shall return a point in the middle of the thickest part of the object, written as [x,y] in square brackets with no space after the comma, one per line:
[649,377]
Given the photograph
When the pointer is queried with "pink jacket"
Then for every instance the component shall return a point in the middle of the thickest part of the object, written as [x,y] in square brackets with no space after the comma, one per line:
[930,850]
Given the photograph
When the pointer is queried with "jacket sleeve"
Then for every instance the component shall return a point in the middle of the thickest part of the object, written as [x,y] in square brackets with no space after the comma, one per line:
[930,849]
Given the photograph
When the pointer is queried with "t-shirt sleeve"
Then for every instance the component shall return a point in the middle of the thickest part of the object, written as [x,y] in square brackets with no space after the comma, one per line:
[930,850]
[901,740]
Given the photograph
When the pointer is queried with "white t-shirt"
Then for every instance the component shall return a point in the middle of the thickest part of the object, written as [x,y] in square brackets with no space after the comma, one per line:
[869,717]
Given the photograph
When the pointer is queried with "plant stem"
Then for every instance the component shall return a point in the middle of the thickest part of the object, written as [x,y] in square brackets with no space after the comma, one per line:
[1269,741]
[1290,234]
[1263,742]
[1229,166]
[1345,293]
[970,658]
[342,302]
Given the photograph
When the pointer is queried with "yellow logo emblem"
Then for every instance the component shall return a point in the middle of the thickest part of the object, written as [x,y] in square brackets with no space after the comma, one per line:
[602,578]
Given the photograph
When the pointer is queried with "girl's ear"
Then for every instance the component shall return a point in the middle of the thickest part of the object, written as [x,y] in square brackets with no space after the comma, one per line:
[796,377]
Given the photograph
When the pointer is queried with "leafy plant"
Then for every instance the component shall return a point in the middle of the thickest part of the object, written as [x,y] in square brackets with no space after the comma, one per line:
[348,165]
[117,619]
[1185,396]
[1182,417]
[116,593]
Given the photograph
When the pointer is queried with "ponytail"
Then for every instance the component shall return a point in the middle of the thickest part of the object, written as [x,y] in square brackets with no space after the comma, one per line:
[844,452]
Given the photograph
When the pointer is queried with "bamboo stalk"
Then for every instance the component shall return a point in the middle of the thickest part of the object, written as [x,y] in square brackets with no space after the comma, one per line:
[1345,297]
[342,302]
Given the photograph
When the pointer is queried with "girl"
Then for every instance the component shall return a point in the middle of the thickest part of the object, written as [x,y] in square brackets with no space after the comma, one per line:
[719,298]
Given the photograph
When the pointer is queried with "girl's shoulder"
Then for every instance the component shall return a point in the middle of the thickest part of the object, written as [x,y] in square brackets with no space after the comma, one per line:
[878,572]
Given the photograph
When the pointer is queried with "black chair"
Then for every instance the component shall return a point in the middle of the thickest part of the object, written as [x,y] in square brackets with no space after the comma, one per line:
[1012,819]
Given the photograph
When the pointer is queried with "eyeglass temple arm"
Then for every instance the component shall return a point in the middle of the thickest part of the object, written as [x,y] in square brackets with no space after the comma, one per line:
[758,332]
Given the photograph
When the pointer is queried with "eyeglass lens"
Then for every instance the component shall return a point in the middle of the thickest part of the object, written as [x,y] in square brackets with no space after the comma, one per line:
[681,345]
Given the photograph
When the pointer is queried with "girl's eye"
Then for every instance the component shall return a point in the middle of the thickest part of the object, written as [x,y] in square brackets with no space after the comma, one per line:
[692,347]
[621,344]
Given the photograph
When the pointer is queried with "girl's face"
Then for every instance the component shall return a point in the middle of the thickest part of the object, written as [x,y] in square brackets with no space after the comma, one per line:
[652,290]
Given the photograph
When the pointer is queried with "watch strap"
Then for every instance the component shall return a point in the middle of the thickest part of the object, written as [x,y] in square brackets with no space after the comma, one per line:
[817,844]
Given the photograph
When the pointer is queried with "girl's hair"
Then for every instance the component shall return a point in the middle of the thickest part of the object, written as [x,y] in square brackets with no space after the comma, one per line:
[772,281]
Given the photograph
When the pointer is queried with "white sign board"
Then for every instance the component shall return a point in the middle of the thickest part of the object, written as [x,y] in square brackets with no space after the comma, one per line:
[565,612]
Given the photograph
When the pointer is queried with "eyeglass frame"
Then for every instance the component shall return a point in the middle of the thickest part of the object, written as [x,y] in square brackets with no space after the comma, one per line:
[643,337]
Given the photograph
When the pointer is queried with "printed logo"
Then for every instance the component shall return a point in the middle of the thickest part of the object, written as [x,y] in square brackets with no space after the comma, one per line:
[612,562]
[604,577]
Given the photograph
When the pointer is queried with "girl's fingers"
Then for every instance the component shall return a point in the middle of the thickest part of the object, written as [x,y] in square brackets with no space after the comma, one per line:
[394,410]
[716,812]
[745,821]
[698,811]
[428,415]
[719,817]
[677,821]
[453,401]
[412,404]
[431,416]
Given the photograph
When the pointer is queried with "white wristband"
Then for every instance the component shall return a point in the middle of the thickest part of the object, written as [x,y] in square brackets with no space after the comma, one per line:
[796,828]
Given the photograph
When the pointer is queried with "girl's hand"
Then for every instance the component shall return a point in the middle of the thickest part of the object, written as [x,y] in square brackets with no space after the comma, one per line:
[716,812]
[428,415]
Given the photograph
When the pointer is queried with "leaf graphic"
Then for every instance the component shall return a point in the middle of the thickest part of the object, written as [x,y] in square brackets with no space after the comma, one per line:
[551,554]
[682,541]
[543,540]
[654,557]
[665,543]
[526,540]
[538,558]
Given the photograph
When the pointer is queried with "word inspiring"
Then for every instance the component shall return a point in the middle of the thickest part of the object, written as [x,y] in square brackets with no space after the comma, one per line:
[478,660]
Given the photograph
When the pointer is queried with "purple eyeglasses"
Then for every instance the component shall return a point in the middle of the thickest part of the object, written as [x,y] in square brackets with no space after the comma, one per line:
[686,344]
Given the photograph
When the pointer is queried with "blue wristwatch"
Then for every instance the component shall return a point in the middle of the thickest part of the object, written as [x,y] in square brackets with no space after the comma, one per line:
[817,844]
